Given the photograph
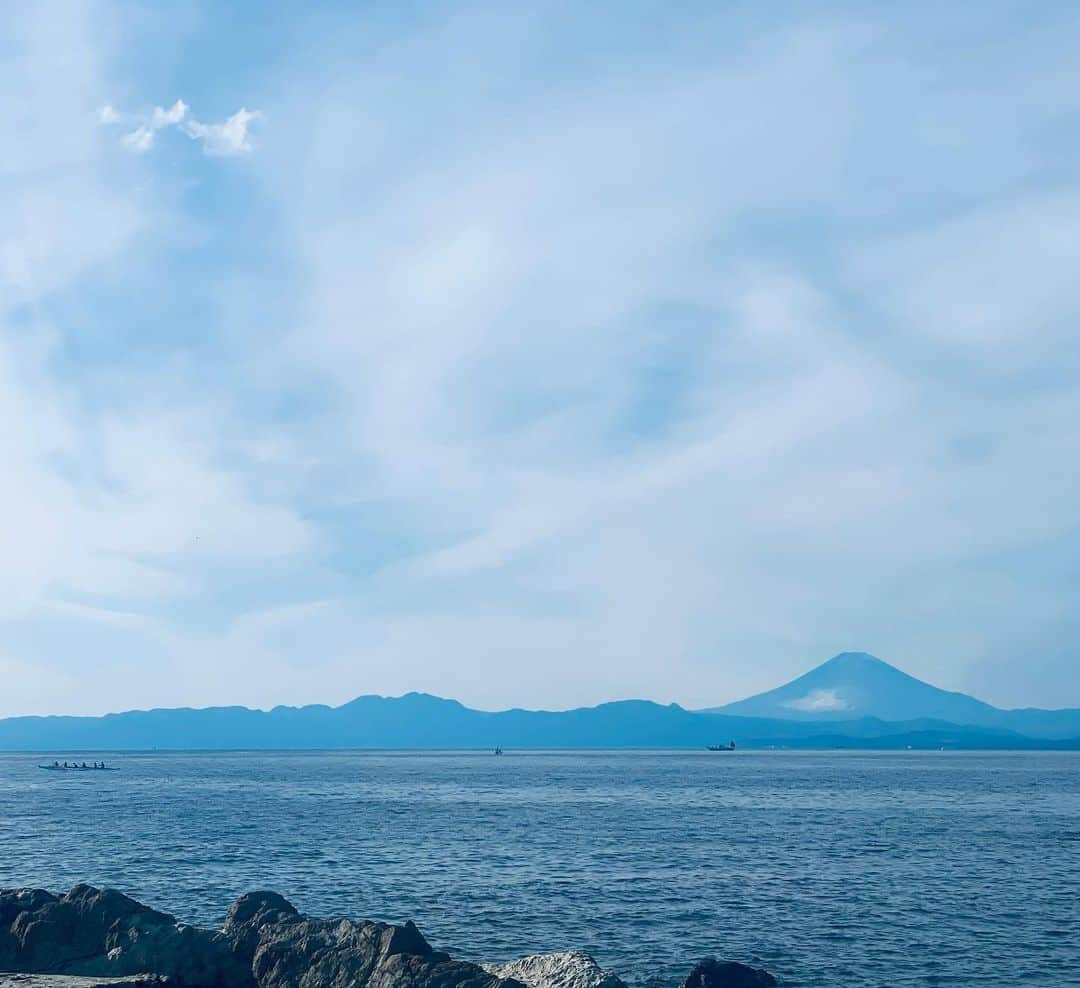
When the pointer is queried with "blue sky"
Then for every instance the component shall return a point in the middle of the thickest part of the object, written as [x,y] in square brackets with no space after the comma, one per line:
[536,354]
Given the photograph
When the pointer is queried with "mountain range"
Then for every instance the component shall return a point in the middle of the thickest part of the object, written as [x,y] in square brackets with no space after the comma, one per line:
[852,701]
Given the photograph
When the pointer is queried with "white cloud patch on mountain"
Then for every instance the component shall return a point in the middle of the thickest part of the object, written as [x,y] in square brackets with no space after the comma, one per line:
[819,701]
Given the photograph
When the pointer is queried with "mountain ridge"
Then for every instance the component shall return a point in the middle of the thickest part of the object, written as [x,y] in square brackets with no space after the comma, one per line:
[846,696]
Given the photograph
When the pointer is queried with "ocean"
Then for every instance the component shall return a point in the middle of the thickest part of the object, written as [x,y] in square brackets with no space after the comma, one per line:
[827,868]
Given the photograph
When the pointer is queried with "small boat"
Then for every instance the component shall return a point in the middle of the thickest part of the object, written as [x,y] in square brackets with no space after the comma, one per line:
[721,747]
[498,751]
[83,767]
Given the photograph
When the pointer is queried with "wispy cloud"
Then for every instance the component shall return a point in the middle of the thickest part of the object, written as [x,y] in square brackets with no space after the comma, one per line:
[231,137]
[662,368]
[819,701]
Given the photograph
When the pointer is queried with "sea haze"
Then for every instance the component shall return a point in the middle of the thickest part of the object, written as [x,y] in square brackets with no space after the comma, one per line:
[842,868]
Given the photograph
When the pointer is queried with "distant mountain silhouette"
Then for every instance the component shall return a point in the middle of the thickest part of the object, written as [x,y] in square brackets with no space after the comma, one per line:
[418,720]
[855,684]
[853,700]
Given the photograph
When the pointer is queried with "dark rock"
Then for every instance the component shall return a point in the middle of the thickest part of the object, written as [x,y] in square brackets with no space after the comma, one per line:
[15,901]
[185,955]
[247,916]
[328,953]
[103,933]
[256,909]
[288,950]
[51,934]
[711,973]
[436,970]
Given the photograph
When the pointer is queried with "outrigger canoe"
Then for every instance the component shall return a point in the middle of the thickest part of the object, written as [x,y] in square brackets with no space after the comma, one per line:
[78,768]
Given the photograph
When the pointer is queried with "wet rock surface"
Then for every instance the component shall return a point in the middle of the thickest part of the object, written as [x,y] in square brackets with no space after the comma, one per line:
[98,938]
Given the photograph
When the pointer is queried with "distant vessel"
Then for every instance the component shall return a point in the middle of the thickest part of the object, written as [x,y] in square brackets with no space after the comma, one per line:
[73,767]
[498,751]
[721,747]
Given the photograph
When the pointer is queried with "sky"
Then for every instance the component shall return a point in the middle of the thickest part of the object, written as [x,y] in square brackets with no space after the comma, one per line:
[536,354]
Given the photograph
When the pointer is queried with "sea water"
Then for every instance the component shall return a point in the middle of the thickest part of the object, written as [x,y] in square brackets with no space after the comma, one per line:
[845,868]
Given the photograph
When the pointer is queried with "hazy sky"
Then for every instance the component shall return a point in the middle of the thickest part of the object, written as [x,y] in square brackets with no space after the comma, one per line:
[536,354]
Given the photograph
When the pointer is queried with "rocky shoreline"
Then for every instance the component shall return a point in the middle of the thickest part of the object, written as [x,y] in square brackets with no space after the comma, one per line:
[100,938]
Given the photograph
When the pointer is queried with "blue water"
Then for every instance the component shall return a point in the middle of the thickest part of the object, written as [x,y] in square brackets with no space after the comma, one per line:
[876,869]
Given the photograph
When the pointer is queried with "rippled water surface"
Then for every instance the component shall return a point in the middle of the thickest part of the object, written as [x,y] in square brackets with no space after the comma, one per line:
[876,869]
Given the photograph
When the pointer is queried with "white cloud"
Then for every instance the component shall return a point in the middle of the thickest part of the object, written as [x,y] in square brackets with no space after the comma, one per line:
[485,313]
[140,140]
[229,138]
[636,375]
[170,117]
[123,490]
[819,701]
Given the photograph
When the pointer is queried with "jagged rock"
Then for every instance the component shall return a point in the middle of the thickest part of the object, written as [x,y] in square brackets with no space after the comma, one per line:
[103,933]
[256,909]
[265,943]
[568,969]
[291,951]
[47,933]
[247,916]
[15,901]
[185,955]
[711,973]
[103,936]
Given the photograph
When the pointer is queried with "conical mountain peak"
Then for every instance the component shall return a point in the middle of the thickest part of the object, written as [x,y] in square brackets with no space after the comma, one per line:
[853,685]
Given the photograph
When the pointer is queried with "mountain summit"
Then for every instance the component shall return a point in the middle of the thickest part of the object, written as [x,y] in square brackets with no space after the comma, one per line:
[853,685]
